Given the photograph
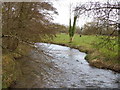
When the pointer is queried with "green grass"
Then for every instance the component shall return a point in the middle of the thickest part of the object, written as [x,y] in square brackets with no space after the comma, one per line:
[89,44]
[84,40]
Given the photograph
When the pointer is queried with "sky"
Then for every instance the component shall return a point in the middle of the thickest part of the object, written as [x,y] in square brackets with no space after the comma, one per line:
[63,10]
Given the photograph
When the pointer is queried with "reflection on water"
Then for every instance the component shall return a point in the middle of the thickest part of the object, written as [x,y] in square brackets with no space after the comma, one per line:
[67,68]
[76,71]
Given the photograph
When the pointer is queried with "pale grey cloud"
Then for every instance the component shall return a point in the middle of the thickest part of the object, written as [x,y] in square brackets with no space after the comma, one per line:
[63,10]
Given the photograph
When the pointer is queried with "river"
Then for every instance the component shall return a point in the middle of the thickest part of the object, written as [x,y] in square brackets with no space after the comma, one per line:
[63,67]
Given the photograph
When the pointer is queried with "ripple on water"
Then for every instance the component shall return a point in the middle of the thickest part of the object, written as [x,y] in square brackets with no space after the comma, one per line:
[74,71]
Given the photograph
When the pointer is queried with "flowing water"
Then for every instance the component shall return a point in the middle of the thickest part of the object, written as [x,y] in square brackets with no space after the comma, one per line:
[64,67]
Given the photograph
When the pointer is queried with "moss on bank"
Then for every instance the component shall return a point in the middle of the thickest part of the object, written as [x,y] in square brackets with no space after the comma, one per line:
[10,66]
[100,57]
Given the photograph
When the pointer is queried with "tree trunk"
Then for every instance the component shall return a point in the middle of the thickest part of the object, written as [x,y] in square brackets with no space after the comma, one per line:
[71,39]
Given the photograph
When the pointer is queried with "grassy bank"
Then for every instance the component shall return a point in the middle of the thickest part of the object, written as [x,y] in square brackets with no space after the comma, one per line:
[10,66]
[101,57]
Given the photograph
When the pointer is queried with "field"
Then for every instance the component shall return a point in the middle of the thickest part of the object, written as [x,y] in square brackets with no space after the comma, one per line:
[101,56]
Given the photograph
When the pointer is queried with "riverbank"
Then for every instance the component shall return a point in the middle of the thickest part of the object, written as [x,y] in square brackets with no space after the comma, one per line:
[11,68]
[67,68]
[99,57]
[96,56]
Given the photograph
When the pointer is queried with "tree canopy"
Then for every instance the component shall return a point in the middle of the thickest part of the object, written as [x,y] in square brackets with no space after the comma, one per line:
[27,20]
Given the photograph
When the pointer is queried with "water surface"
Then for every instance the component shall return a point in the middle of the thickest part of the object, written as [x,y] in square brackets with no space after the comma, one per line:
[65,67]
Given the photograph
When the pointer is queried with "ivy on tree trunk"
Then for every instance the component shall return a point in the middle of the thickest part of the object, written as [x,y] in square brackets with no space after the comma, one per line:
[72,28]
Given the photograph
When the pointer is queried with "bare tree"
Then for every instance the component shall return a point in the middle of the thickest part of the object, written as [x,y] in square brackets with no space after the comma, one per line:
[106,14]
[27,21]
[72,28]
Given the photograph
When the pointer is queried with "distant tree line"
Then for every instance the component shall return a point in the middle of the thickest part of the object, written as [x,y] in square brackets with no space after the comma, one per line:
[92,28]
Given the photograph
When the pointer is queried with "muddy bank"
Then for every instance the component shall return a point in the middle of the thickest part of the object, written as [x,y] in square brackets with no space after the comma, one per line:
[35,68]
[10,65]
[99,63]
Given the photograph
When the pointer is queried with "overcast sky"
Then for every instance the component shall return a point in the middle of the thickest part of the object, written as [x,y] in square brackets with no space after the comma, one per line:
[63,10]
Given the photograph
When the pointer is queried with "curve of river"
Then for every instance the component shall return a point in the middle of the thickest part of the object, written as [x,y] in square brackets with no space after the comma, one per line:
[63,68]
